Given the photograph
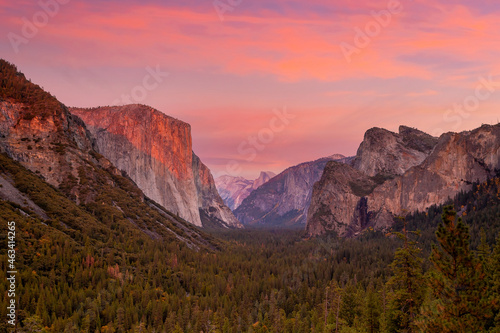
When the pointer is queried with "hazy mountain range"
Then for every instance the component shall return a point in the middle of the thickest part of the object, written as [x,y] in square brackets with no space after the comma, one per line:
[233,190]
[392,173]
[284,200]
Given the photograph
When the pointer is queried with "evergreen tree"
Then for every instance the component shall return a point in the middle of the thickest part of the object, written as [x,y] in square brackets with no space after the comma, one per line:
[458,282]
[372,311]
[32,324]
[407,282]
[495,285]
[349,306]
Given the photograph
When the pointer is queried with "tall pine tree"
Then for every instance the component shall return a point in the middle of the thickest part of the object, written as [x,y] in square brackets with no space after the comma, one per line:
[407,283]
[458,282]
[495,285]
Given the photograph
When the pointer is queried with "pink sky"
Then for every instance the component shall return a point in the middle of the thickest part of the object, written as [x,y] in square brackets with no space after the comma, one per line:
[227,76]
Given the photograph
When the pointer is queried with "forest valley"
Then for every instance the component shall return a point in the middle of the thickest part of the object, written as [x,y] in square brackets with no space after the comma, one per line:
[436,271]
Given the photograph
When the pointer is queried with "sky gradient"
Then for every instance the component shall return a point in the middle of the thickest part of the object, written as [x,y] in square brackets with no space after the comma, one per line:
[233,67]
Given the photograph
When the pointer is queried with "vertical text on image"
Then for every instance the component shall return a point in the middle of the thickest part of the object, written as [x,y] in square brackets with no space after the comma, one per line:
[11,273]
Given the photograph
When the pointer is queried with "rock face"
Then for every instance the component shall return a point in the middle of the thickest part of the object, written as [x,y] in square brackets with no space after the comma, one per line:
[51,145]
[337,200]
[387,153]
[284,200]
[213,211]
[385,180]
[77,189]
[156,153]
[234,190]
[264,177]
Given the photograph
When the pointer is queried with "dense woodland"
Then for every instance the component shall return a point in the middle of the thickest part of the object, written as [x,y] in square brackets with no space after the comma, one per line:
[14,85]
[257,280]
[87,268]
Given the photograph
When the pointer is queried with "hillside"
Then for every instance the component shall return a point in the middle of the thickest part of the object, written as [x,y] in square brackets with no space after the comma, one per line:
[284,200]
[400,172]
[38,132]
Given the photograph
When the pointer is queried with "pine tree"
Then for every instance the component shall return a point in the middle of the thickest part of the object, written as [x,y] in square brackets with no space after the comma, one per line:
[495,285]
[458,282]
[371,311]
[349,306]
[407,282]
[32,324]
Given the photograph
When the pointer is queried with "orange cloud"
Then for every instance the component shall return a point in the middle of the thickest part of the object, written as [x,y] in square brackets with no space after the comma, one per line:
[427,55]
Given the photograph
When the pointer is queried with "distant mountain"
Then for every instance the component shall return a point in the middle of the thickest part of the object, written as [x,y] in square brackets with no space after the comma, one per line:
[50,172]
[284,200]
[395,173]
[155,151]
[233,190]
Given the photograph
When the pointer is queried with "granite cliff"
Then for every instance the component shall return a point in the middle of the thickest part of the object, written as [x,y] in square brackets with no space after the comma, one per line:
[49,168]
[155,151]
[396,173]
[383,152]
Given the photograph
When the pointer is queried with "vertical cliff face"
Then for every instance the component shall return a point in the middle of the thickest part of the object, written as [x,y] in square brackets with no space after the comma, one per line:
[337,200]
[411,172]
[284,200]
[211,207]
[458,160]
[156,152]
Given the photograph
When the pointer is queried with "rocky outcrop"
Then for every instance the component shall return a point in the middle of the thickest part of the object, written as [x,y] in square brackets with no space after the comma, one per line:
[458,160]
[53,145]
[348,199]
[155,151]
[263,178]
[234,190]
[212,209]
[50,169]
[336,198]
[383,152]
[284,200]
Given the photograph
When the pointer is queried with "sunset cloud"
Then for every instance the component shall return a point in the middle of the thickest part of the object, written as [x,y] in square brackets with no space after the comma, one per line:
[226,76]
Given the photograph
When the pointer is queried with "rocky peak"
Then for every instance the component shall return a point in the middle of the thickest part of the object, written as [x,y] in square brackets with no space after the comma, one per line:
[347,201]
[284,200]
[417,140]
[38,131]
[234,190]
[155,151]
[263,178]
[387,153]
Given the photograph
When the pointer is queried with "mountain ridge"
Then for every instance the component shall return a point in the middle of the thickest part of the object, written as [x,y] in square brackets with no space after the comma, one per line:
[233,190]
[155,150]
[50,170]
[283,201]
[401,183]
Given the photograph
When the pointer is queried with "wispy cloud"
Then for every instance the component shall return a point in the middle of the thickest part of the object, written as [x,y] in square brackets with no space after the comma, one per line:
[226,75]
